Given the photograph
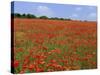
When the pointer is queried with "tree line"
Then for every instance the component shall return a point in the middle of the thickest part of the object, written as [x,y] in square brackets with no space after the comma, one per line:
[31,16]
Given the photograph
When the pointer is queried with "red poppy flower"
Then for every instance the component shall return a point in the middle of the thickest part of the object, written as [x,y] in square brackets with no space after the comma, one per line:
[16,63]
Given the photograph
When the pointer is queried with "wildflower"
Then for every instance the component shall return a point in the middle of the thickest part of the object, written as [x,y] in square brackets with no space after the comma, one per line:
[16,63]
[31,67]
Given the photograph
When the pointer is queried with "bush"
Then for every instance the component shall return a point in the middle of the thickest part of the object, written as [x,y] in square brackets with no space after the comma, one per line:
[30,16]
[17,15]
[23,16]
[68,19]
[43,17]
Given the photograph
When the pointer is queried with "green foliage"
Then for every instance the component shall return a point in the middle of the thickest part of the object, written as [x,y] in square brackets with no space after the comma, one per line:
[43,17]
[30,16]
[17,15]
[54,18]
[68,19]
[23,15]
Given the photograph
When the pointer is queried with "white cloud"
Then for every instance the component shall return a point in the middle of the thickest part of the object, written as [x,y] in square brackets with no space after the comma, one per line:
[44,10]
[92,15]
[74,15]
[78,9]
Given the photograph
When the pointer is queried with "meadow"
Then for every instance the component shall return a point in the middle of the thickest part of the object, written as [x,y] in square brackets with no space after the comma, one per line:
[42,45]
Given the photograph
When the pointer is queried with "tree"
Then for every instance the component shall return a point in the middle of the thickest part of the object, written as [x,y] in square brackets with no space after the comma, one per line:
[68,19]
[30,16]
[61,19]
[23,15]
[43,17]
[17,15]
[56,18]
[33,16]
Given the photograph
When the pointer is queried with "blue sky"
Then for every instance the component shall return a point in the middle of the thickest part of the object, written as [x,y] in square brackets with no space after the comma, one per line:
[78,12]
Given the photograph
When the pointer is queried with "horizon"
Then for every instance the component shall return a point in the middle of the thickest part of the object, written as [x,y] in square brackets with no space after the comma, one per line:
[66,11]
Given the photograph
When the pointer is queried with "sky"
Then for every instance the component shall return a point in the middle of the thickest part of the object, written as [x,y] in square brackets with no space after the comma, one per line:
[76,12]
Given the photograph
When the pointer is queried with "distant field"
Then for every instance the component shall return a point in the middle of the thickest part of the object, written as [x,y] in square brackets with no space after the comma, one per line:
[54,45]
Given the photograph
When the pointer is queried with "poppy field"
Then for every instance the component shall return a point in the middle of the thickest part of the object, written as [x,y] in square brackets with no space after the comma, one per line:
[42,45]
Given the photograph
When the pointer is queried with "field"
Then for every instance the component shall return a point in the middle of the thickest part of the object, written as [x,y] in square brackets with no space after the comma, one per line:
[54,45]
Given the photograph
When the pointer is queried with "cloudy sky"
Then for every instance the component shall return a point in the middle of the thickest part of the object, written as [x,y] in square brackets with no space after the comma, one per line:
[80,12]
